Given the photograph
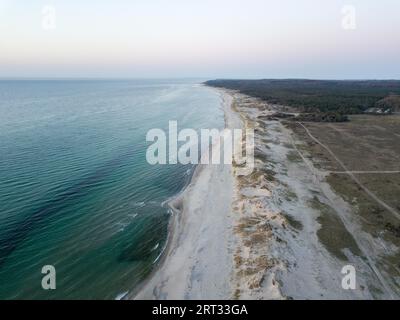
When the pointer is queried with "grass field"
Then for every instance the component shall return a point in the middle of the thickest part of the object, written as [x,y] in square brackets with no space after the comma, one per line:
[362,162]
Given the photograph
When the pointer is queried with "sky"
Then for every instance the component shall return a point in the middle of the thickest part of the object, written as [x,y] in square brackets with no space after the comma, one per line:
[331,39]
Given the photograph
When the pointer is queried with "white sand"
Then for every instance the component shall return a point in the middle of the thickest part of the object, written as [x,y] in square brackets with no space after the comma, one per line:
[231,236]
[198,260]
[299,266]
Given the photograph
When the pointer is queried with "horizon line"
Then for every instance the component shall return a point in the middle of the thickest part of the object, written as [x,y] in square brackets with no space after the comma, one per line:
[186,78]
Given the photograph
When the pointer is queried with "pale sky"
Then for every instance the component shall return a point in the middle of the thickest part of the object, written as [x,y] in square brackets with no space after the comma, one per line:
[200,38]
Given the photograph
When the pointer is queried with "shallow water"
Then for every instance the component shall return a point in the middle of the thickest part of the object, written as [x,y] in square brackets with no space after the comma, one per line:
[76,191]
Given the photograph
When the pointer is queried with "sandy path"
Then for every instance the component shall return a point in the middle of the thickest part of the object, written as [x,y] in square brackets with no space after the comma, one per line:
[351,175]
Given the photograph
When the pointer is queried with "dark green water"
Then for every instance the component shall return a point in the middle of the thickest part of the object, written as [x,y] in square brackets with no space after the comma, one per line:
[76,191]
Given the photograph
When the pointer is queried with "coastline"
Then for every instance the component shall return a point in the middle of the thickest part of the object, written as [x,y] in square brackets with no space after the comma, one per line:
[295,234]
[188,268]
[269,235]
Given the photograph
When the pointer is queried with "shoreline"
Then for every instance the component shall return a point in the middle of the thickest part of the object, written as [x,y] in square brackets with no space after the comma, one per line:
[186,269]
[262,236]
[164,253]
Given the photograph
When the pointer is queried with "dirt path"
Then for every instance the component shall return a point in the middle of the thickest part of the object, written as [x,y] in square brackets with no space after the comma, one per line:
[351,175]
[317,180]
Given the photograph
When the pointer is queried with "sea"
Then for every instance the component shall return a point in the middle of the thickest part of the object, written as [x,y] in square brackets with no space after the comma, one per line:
[76,191]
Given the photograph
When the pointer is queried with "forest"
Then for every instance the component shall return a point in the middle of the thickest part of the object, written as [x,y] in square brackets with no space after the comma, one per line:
[313,96]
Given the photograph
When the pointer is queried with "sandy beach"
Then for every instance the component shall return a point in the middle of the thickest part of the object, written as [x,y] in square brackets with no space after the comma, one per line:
[265,235]
[197,262]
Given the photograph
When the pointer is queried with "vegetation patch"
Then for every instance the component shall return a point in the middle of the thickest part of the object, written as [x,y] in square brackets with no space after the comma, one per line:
[293,156]
[344,97]
[333,233]
[295,224]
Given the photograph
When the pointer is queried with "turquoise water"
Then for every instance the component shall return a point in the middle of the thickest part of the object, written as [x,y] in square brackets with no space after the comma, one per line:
[76,191]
